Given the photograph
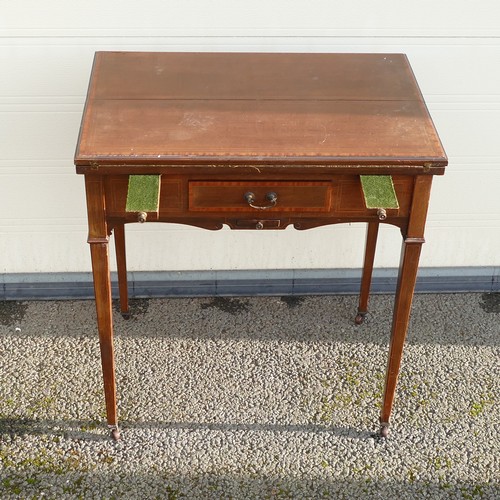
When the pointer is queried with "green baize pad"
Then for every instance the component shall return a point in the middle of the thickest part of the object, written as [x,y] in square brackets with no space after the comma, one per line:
[143,193]
[378,191]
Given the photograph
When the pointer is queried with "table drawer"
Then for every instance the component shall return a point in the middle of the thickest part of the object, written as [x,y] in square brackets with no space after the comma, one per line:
[234,196]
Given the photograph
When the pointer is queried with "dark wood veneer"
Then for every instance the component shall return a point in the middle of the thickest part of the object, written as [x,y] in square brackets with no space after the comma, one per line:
[296,129]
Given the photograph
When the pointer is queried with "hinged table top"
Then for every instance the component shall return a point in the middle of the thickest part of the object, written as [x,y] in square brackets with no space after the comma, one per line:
[148,108]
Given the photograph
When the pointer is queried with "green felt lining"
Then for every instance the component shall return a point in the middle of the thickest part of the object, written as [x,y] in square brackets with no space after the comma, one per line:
[379,191]
[143,193]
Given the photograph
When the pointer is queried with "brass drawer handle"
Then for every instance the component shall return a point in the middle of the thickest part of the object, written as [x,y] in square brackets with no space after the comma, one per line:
[271,197]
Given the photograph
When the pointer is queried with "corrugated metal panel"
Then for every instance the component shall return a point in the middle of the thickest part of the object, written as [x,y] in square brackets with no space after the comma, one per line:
[46,55]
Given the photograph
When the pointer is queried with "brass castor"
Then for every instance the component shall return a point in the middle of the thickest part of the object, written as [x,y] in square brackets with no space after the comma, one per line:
[384,429]
[125,315]
[360,318]
[115,434]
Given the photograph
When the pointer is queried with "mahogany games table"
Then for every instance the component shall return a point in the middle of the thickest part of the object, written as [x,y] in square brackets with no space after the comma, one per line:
[256,141]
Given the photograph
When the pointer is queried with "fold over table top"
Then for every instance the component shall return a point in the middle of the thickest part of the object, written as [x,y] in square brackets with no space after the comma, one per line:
[148,108]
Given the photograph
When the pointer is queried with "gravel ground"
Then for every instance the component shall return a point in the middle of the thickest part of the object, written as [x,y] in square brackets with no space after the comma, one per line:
[251,398]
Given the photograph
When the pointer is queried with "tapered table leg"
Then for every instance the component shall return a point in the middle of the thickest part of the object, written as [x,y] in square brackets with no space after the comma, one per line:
[121,263]
[102,289]
[366,279]
[408,267]
[98,240]
[402,307]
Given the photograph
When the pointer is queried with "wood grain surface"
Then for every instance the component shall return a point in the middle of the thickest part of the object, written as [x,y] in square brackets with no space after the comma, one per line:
[167,108]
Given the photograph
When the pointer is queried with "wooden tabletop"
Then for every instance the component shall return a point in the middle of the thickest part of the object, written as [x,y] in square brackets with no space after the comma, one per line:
[148,108]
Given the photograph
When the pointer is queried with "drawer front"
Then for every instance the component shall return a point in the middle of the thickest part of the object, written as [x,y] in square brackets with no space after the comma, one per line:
[221,196]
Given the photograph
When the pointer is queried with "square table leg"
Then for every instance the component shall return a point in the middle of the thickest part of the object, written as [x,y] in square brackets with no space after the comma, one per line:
[366,280]
[121,264]
[410,255]
[98,240]
[401,316]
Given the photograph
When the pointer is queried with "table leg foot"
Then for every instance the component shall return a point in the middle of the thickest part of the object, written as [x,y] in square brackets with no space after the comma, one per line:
[384,429]
[360,318]
[126,315]
[115,433]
